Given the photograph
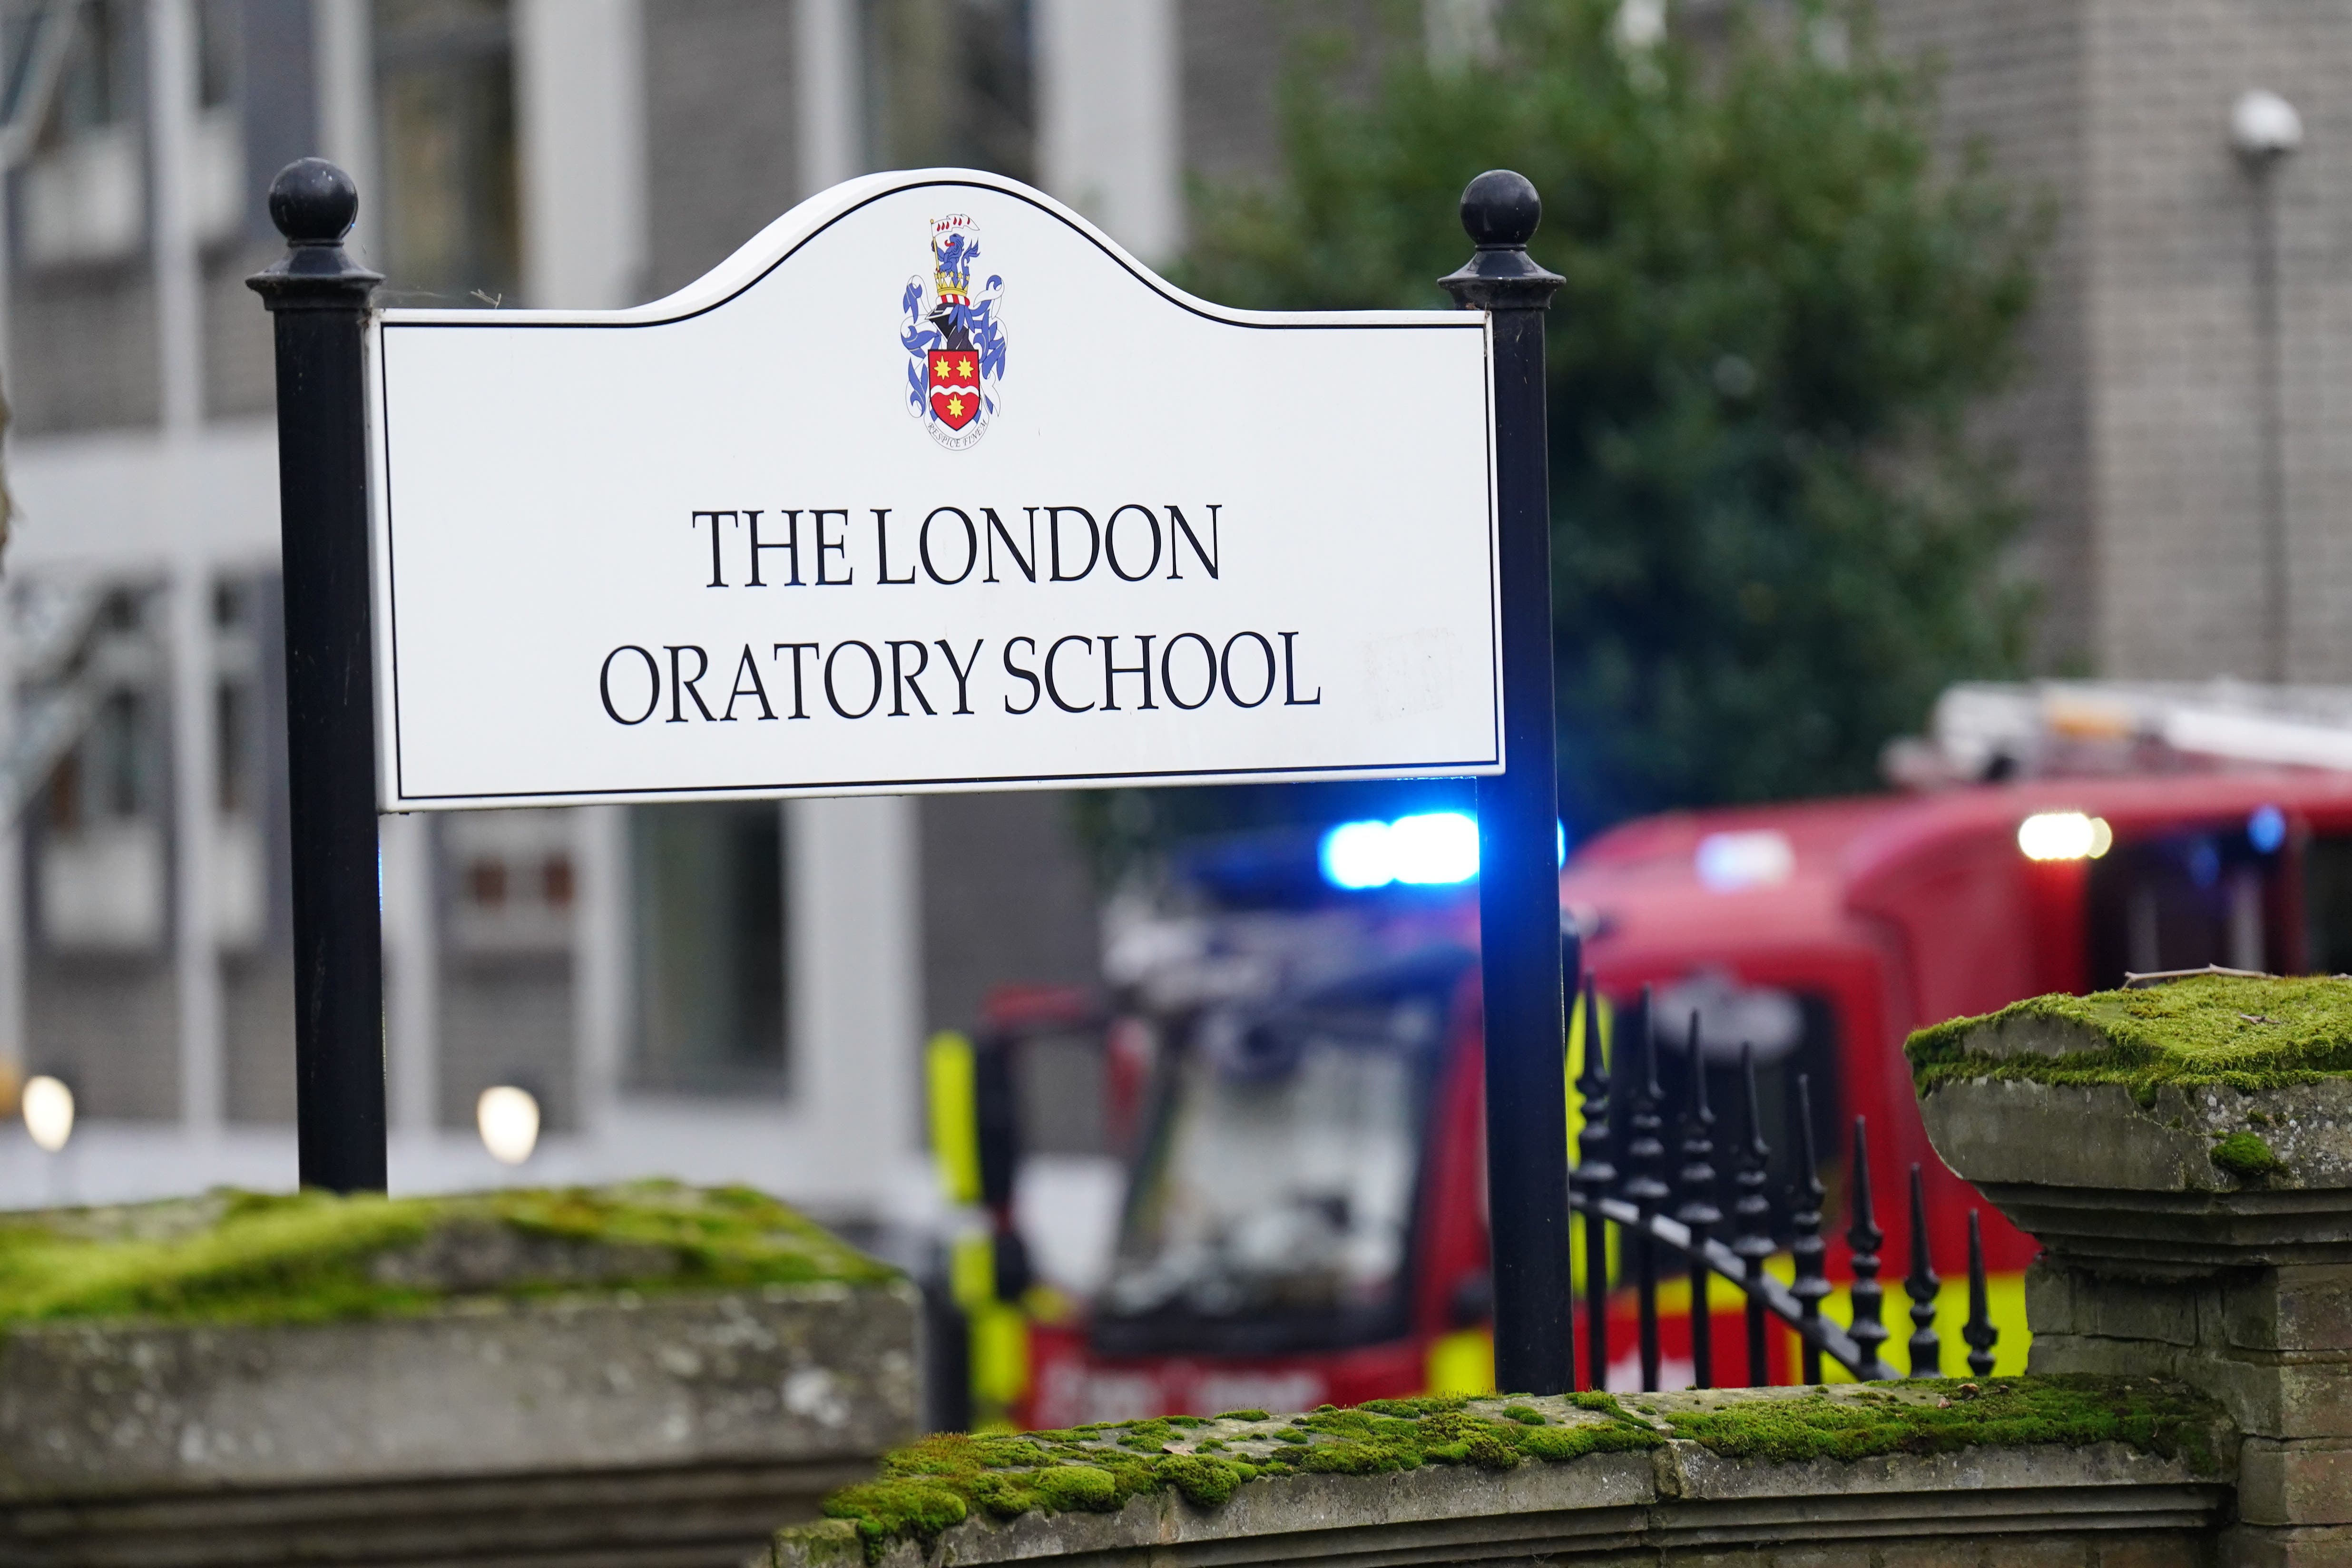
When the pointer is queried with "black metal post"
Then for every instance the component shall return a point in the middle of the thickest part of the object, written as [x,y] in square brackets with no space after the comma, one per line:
[1645,1153]
[1518,812]
[318,298]
[1595,1174]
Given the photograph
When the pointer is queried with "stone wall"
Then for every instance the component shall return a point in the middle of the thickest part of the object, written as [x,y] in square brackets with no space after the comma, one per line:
[647,1375]
[2195,1214]
[2100,1505]
[674,1429]
[2184,1156]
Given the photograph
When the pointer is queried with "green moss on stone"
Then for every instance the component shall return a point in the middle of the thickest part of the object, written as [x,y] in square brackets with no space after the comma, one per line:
[2206,1030]
[1941,1415]
[929,1486]
[232,1257]
[941,1480]
[2246,1156]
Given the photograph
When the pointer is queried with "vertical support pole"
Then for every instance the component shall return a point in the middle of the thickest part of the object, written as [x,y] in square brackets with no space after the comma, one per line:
[1645,1153]
[1698,1209]
[319,300]
[1862,1240]
[1809,1250]
[1597,1176]
[1979,1333]
[1922,1286]
[2270,409]
[1519,815]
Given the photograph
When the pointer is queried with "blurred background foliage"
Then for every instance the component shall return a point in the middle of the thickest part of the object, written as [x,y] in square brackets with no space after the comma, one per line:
[1776,533]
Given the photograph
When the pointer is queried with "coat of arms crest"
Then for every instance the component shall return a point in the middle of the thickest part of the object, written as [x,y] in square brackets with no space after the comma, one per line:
[953,333]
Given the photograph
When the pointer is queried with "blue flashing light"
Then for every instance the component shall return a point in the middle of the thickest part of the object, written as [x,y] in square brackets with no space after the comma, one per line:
[1355,856]
[1434,850]
[1561,828]
[1429,849]
[2266,829]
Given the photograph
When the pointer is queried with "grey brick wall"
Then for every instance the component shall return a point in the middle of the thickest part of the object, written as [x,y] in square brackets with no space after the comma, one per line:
[721,156]
[82,348]
[257,1037]
[508,1020]
[108,1026]
[1006,897]
[2176,440]
[2137,430]
[240,369]
[1233,54]
[2012,75]
[1232,58]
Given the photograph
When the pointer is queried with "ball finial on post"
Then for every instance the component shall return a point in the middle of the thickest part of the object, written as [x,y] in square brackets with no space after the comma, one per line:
[1500,210]
[313,203]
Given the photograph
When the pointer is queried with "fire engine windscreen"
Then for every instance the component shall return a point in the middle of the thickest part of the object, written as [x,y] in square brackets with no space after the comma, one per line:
[1273,1210]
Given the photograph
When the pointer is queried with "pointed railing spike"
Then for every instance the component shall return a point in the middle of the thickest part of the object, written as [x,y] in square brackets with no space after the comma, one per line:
[1594,1179]
[1980,1332]
[1645,1153]
[1921,1285]
[1863,1237]
[1697,1209]
[1752,1211]
[1809,1250]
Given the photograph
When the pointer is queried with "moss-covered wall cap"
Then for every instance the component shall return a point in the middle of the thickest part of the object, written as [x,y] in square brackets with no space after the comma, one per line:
[234,1257]
[2205,1030]
[944,1481]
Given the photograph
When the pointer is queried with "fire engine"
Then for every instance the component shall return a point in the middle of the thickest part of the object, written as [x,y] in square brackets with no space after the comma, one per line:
[1293,1055]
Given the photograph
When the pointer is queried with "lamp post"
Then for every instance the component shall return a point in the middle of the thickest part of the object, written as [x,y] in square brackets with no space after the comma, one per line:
[2264,130]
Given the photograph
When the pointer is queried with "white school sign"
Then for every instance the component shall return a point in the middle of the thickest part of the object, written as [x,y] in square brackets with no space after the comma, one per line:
[929,487]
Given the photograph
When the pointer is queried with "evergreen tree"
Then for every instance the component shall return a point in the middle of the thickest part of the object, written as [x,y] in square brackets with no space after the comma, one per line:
[1775,535]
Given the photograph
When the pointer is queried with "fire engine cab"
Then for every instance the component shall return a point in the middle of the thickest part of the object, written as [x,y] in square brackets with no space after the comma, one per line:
[1297,1024]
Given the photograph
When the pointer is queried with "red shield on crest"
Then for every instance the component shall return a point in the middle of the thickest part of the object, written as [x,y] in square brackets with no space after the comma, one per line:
[955,387]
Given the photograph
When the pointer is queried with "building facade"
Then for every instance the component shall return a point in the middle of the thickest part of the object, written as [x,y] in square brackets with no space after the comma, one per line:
[714,992]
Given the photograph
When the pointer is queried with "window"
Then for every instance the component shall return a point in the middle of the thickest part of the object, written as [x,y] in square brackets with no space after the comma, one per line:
[445,93]
[1274,1207]
[216,160]
[2182,900]
[82,196]
[710,942]
[512,881]
[948,82]
[101,876]
[240,743]
[2328,903]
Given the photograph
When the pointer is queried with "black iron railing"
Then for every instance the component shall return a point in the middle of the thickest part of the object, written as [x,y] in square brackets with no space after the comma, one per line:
[1620,1185]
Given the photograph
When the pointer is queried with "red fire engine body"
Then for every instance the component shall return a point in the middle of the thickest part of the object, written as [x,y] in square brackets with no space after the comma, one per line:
[1258,1267]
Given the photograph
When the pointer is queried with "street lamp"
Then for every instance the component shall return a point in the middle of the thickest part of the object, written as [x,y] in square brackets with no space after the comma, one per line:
[508,1119]
[2264,130]
[49,1110]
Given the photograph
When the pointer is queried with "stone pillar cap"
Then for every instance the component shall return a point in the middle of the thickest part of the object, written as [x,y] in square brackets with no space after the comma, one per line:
[2206,1121]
